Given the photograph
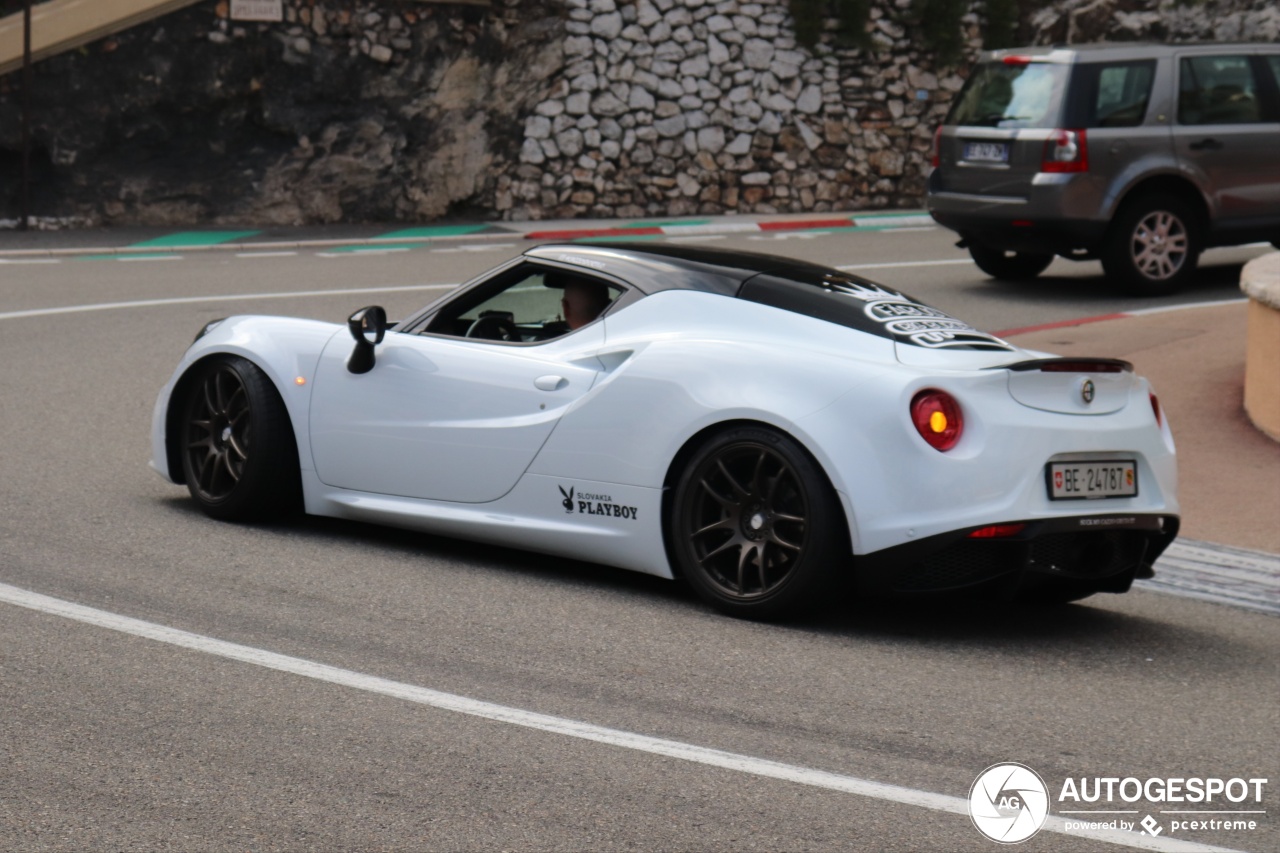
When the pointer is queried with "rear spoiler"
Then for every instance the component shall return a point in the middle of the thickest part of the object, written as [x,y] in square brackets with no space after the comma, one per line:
[1069,365]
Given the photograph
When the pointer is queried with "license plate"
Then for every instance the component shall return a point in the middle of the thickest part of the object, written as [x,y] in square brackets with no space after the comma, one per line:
[986,152]
[1092,479]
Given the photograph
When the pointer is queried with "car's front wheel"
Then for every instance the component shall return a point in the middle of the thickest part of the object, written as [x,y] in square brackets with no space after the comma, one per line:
[1153,245]
[239,454]
[755,525]
[1009,266]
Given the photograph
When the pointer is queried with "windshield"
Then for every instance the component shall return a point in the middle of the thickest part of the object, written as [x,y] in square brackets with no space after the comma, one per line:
[1010,95]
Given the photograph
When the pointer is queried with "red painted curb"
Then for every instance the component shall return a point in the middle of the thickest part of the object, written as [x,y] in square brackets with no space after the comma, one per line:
[801,225]
[1061,324]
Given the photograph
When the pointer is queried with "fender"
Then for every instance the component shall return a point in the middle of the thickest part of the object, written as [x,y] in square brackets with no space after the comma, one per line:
[286,349]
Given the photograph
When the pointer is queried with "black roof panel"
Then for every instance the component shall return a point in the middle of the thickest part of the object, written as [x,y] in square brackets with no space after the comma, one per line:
[664,266]
[792,285]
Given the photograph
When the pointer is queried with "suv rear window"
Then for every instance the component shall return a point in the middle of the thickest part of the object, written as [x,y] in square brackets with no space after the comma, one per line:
[1003,94]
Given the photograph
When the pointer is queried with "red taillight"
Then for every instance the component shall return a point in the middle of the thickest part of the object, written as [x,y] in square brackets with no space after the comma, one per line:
[937,418]
[997,531]
[1065,151]
[1155,408]
[937,147]
[1017,60]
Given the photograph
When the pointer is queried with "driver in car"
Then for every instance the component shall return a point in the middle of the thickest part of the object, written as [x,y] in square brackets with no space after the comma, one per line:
[583,300]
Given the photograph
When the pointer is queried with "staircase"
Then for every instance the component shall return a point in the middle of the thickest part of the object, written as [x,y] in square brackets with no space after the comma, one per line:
[60,25]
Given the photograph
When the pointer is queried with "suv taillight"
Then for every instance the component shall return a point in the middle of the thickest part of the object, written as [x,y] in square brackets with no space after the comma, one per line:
[1065,151]
[937,147]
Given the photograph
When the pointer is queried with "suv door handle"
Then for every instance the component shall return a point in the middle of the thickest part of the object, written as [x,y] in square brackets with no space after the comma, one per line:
[1206,145]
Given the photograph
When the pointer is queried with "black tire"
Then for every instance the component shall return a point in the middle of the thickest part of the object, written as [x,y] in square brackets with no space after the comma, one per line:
[1009,266]
[1153,245]
[239,454]
[755,525]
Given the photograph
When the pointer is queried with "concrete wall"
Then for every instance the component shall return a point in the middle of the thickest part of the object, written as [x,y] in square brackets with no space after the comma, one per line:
[1260,281]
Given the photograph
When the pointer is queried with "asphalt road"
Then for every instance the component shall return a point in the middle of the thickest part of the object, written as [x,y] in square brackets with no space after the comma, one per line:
[111,740]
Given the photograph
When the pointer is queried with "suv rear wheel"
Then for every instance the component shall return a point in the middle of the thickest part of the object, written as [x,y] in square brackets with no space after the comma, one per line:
[1009,266]
[1153,245]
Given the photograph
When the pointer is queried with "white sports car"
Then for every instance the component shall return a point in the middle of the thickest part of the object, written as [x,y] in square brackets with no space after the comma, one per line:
[764,427]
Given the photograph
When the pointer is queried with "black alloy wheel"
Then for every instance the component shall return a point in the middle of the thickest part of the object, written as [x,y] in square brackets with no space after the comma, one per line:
[755,527]
[239,456]
[1009,266]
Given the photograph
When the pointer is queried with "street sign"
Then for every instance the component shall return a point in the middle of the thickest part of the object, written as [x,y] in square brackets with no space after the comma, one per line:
[257,10]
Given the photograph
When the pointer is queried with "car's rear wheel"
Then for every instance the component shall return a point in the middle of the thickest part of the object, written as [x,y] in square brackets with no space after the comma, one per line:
[1009,266]
[1153,245]
[239,454]
[755,525]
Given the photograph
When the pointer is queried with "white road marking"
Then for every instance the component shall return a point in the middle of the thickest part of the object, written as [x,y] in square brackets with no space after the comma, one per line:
[556,725]
[361,252]
[30,261]
[954,262]
[191,300]
[266,254]
[711,228]
[1221,573]
[790,235]
[1164,309]
[697,238]
[473,248]
[138,258]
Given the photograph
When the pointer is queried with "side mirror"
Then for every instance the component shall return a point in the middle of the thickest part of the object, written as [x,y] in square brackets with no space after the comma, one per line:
[368,326]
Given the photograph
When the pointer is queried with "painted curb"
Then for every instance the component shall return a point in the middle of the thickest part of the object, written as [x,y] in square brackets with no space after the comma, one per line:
[841,223]
[1119,315]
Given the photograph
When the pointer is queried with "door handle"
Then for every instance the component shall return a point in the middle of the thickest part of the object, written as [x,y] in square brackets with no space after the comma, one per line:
[1206,145]
[550,383]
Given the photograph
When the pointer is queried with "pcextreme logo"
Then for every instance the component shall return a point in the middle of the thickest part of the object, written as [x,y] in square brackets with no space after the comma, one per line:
[1009,803]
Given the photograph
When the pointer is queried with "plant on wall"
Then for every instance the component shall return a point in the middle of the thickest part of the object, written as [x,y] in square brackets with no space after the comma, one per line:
[937,23]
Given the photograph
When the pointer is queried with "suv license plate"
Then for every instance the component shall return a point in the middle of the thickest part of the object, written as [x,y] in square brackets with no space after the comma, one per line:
[986,152]
[1091,480]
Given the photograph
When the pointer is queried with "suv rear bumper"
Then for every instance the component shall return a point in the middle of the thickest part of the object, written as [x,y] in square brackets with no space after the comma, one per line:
[1073,238]
[1061,215]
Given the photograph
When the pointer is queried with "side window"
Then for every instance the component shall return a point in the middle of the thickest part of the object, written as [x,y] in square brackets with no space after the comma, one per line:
[1120,94]
[1217,90]
[525,305]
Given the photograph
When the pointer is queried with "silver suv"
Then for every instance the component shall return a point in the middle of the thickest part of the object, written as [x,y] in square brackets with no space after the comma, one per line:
[1141,156]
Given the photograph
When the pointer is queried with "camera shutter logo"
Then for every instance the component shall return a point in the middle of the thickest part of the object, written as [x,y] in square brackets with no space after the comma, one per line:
[1008,802]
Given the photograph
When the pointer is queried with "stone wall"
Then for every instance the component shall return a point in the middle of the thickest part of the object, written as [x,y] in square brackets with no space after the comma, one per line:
[671,108]
[394,110]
